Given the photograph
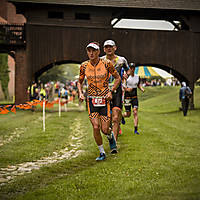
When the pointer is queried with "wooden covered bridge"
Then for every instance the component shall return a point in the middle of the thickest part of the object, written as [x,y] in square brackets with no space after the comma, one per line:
[57,31]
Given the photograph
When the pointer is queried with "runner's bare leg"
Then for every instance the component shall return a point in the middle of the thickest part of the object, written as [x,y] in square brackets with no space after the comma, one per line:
[96,131]
[116,113]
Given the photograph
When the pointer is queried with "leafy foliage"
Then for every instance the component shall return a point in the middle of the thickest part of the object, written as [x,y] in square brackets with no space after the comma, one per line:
[60,73]
[4,74]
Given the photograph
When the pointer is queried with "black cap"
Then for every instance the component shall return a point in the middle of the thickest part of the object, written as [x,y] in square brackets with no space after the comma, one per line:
[132,65]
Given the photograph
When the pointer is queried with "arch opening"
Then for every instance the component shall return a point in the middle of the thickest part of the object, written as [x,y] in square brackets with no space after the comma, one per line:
[161,71]
[55,80]
[52,65]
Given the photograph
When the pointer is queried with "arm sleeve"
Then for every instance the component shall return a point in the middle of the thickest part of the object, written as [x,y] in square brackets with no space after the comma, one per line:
[125,66]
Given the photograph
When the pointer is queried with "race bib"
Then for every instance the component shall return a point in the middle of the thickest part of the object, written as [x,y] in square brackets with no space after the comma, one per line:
[98,101]
[127,102]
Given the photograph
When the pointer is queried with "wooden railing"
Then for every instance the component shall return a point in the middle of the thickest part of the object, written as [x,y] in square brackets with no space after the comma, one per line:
[12,34]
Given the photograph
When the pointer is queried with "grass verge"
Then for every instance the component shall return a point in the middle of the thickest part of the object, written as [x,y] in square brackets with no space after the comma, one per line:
[161,163]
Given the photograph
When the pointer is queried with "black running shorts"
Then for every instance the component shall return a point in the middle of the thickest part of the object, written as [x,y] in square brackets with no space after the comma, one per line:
[130,102]
[117,98]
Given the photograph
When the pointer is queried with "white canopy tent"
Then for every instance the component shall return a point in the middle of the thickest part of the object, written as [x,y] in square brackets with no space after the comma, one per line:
[163,73]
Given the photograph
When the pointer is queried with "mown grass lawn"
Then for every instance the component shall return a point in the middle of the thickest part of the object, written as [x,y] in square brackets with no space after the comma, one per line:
[162,163]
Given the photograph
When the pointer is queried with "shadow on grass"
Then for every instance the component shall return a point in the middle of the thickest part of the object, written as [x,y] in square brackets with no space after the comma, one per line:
[178,111]
[170,112]
[62,111]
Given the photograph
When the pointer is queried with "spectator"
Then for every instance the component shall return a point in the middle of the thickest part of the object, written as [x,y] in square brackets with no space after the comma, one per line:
[184,94]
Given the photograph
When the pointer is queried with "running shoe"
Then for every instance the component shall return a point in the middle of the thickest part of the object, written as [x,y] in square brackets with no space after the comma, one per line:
[136,132]
[113,145]
[123,120]
[101,157]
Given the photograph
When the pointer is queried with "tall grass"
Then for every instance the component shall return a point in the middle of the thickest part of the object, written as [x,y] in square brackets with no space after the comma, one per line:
[163,162]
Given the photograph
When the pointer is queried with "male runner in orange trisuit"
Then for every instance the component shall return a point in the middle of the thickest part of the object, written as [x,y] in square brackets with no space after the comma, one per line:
[97,72]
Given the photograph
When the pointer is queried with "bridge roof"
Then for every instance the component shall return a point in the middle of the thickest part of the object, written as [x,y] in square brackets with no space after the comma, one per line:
[155,4]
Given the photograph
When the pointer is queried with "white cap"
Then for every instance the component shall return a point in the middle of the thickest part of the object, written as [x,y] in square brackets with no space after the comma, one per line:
[109,43]
[184,84]
[93,45]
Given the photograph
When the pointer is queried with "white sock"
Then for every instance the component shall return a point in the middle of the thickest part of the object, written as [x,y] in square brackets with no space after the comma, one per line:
[101,149]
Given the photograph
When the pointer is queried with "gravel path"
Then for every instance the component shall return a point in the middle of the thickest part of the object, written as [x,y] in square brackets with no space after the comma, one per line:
[12,171]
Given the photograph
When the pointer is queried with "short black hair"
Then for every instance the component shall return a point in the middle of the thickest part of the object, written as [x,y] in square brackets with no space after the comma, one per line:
[132,65]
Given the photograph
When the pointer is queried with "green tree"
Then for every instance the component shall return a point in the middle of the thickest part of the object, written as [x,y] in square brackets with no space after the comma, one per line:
[60,73]
[52,74]
[4,74]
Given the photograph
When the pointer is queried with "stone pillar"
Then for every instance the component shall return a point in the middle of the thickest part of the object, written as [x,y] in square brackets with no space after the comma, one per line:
[21,76]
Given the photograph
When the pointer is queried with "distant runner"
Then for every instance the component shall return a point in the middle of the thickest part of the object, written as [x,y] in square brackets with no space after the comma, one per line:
[130,97]
[120,63]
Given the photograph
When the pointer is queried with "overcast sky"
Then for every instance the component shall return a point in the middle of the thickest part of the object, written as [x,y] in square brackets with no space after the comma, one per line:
[144,24]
